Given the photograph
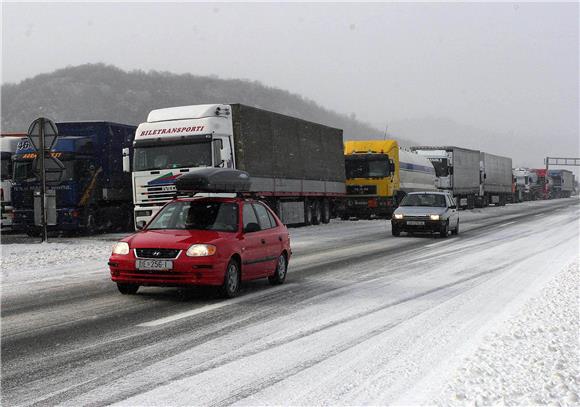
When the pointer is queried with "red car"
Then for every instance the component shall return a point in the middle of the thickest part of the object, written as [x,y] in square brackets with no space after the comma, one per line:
[204,241]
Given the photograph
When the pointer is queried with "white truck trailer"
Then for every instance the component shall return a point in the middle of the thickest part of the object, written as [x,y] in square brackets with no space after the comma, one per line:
[496,179]
[457,171]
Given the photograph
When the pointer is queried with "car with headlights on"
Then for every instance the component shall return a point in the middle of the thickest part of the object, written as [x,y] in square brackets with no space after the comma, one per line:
[205,240]
[426,212]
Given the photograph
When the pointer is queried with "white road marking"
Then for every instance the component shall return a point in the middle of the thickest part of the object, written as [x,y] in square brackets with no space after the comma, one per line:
[505,224]
[208,308]
[539,214]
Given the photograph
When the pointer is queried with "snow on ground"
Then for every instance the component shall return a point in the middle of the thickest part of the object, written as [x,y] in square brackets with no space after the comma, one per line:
[532,359]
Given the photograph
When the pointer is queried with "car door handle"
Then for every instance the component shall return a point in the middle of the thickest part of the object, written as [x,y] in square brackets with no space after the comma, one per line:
[263,241]
[280,238]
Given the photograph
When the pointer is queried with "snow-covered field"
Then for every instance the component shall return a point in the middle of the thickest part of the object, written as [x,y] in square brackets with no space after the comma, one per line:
[531,359]
[489,317]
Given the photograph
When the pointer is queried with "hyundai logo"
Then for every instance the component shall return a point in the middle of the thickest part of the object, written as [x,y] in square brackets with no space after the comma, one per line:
[156,253]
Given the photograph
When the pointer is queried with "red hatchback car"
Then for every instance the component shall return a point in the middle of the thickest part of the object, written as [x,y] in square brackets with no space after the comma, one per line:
[204,241]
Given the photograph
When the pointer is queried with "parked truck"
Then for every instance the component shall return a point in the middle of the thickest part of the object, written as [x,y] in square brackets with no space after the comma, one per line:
[93,193]
[457,171]
[527,186]
[545,183]
[8,144]
[296,166]
[379,174]
[495,179]
[563,183]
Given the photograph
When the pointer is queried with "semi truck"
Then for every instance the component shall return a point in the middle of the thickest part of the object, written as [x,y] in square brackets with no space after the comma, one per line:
[378,175]
[8,144]
[457,171]
[93,192]
[545,183]
[296,166]
[562,183]
[495,179]
[527,187]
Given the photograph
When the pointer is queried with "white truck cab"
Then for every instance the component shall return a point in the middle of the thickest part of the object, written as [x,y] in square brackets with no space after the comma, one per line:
[172,142]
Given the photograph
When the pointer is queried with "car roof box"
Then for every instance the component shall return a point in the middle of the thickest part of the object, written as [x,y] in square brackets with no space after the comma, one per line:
[213,180]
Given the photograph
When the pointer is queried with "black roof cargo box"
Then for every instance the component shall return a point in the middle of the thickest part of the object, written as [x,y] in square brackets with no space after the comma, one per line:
[214,180]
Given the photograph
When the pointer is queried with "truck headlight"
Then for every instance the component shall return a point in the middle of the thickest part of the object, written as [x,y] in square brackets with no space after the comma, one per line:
[398,216]
[121,248]
[201,250]
[434,217]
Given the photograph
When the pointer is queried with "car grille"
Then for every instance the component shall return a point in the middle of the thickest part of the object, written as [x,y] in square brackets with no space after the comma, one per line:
[157,253]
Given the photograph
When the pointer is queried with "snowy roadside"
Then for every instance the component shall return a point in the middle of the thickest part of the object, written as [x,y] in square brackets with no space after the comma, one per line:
[531,359]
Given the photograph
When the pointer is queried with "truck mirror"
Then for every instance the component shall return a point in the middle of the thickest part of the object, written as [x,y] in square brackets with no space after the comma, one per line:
[126,160]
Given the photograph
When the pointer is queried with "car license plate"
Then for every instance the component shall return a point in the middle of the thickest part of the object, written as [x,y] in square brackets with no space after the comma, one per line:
[415,222]
[154,265]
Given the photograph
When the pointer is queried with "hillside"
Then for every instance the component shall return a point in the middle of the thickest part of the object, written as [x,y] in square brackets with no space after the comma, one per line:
[102,92]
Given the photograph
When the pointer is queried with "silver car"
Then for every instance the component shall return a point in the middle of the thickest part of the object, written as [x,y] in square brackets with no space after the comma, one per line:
[428,212]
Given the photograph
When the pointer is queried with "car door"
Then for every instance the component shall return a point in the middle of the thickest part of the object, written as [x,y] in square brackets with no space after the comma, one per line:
[253,250]
[453,215]
[269,237]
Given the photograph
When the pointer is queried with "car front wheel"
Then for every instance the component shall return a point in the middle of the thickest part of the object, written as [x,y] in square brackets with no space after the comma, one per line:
[128,289]
[456,231]
[231,284]
[395,230]
[280,273]
[444,230]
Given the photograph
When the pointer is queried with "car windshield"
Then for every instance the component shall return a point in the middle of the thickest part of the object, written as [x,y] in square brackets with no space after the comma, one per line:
[433,200]
[192,215]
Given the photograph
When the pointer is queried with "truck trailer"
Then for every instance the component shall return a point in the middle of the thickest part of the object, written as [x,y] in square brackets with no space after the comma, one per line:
[457,171]
[93,194]
[562,183]
[379,174]
[296,166]
[8,144]
[495,179]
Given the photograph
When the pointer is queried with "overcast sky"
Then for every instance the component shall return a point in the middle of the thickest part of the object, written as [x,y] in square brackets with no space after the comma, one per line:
[504,68]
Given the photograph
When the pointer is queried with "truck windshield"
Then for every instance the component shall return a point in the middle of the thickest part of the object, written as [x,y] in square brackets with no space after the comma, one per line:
[6,172]
[441,167]
[191,215]
[432,200]
[23,170]
[159,157]
[367,167]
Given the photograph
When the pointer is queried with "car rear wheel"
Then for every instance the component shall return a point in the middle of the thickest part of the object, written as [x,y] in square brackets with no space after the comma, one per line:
[280,273]
[231,285]
[128,289]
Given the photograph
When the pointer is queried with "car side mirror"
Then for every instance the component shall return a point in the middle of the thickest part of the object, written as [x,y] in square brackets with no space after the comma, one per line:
[251,227]
[140,225]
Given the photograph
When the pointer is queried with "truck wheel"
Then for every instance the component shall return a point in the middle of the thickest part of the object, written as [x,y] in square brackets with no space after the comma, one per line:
[127,289]
[325,211]
[307,213]
[231,284]
[280,273]
[316,213]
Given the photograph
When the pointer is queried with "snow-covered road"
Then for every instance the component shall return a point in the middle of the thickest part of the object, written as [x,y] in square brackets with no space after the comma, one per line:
[365,318]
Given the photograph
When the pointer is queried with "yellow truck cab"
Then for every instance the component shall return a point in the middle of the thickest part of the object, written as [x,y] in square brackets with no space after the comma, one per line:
[379,174]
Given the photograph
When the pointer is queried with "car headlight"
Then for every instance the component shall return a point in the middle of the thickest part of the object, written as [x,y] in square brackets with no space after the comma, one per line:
[434,217]
[398,216]
[200,250]
[121,248]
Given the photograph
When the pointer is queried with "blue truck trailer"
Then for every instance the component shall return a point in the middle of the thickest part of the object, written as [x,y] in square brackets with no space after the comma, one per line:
[93,194]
